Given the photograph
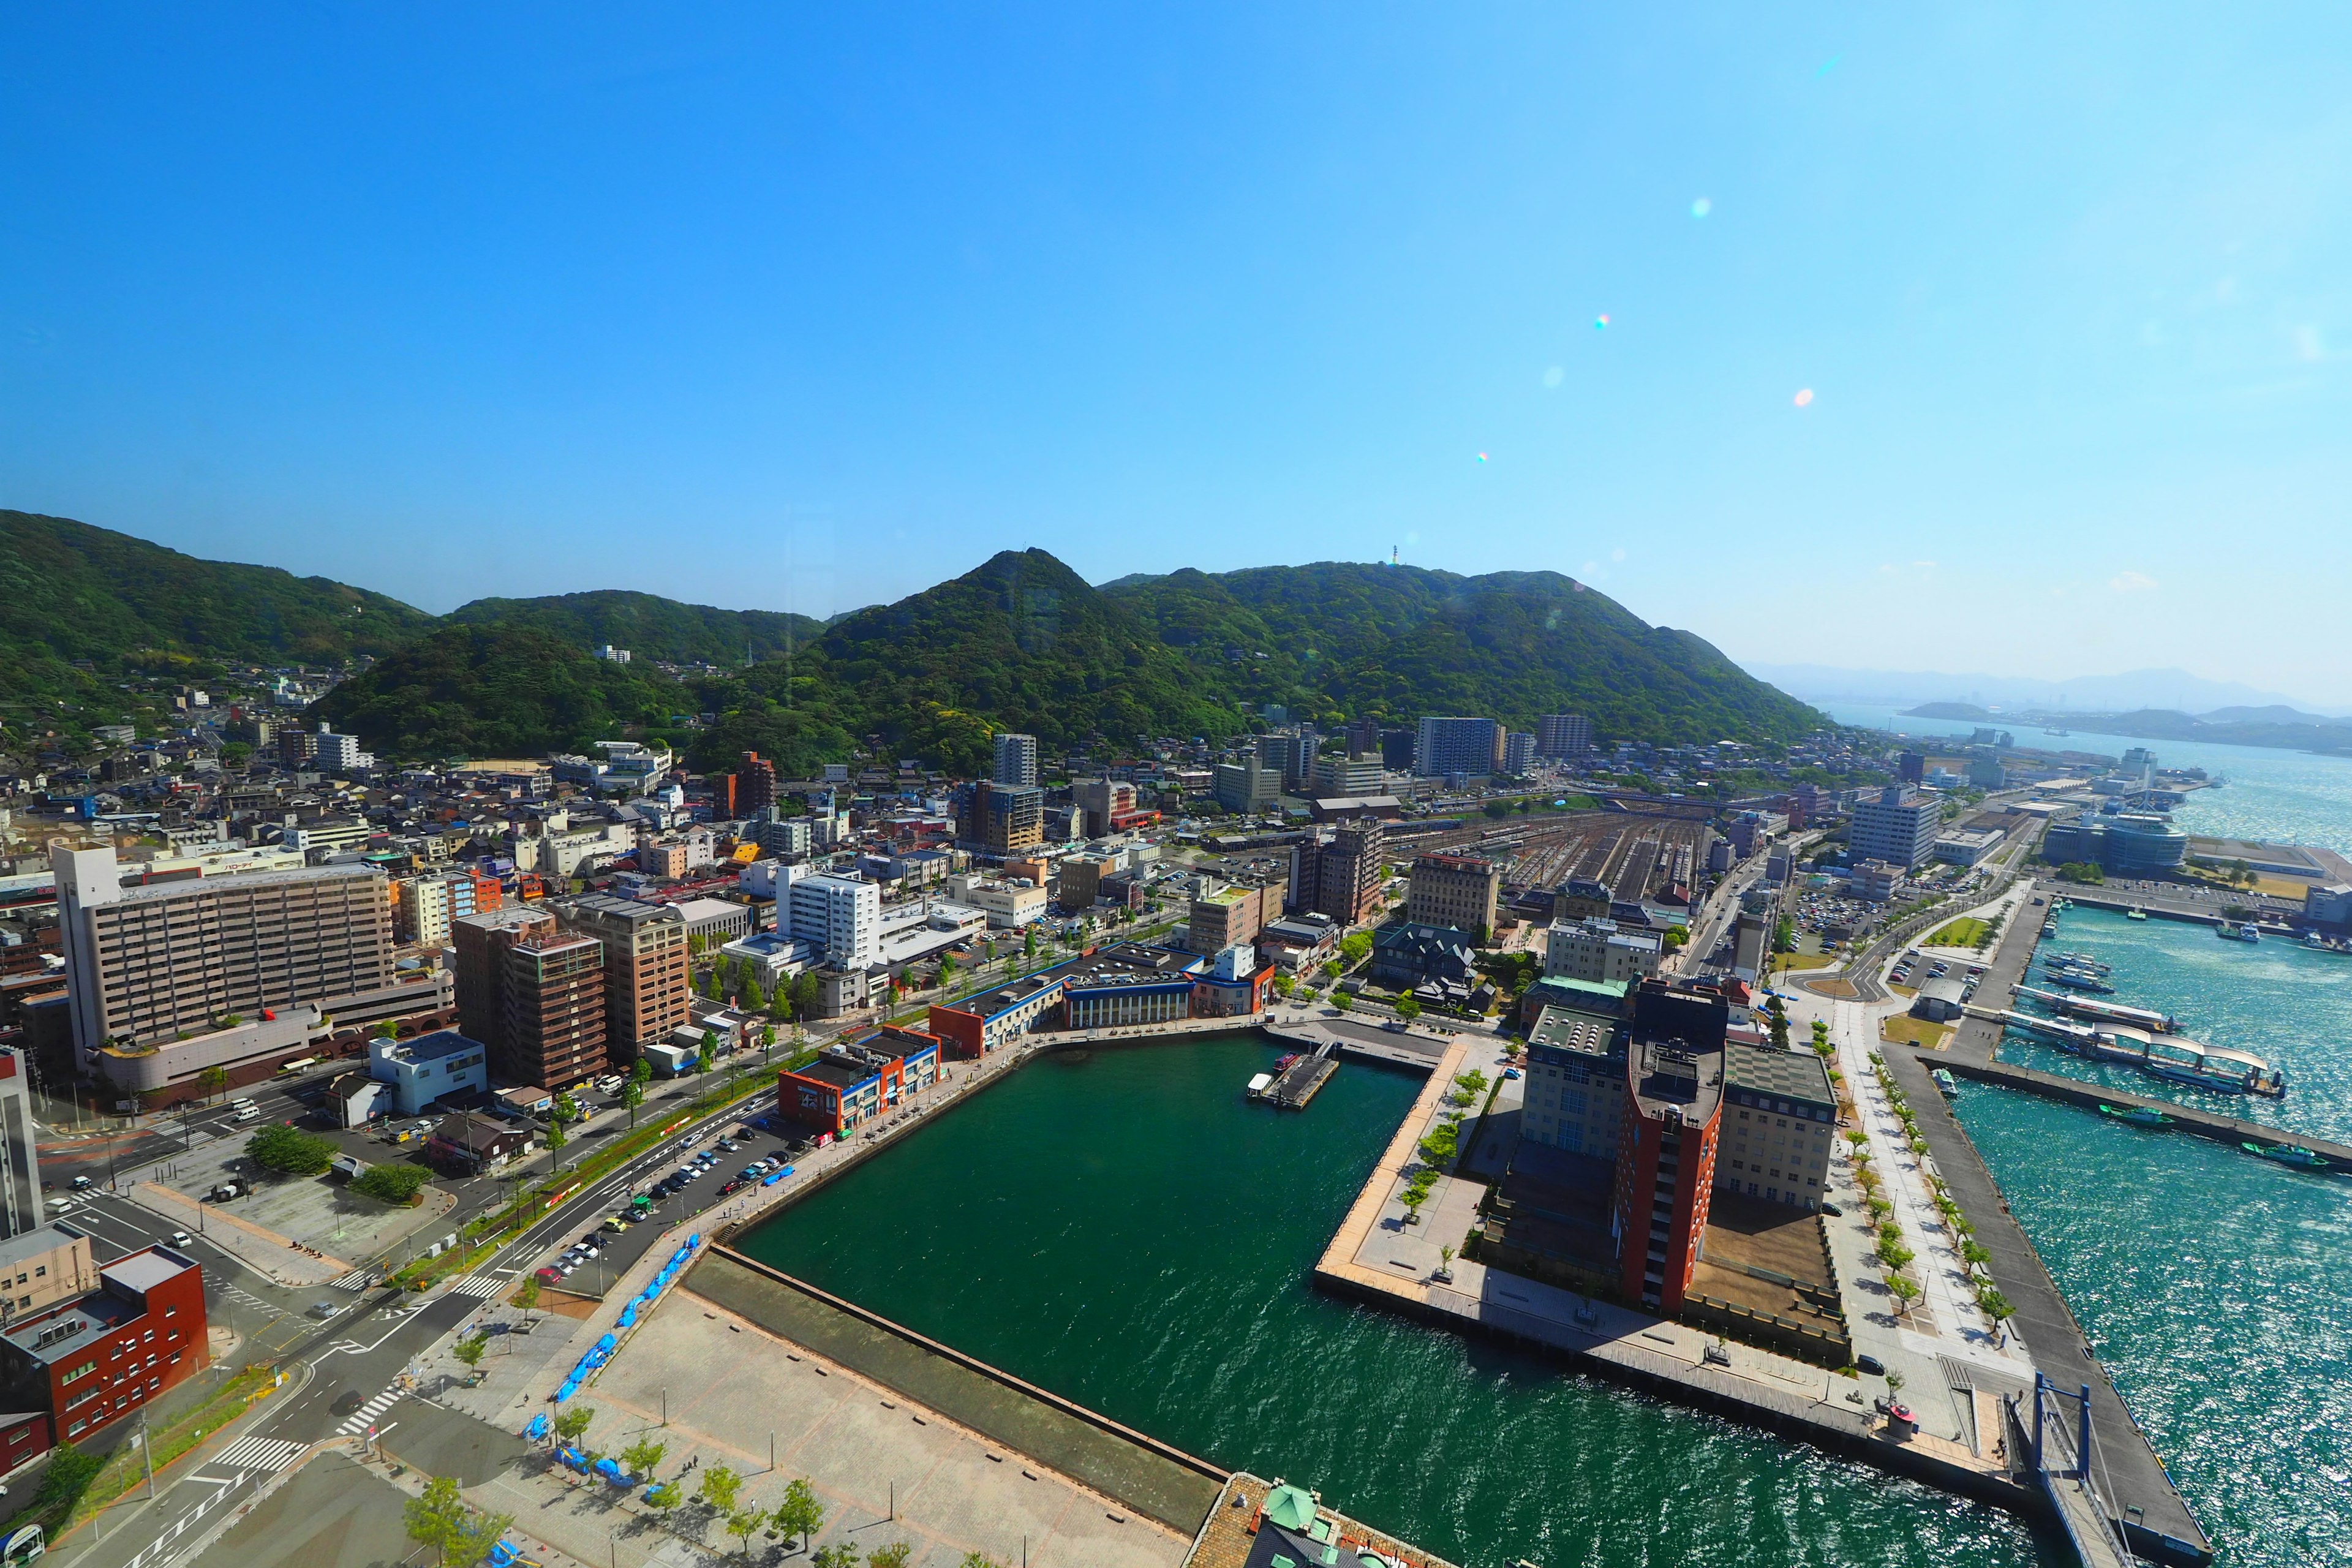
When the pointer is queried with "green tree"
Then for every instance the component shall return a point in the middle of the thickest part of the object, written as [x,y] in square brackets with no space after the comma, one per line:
[1331,970]
[470,1351]
[979,1559]
[1354,947]
[947,968]
[644,1456]
[767,1042]
[555,1138]
[755,1000]
[743,1523]
[572,1424]
[393,1181]
[665,1496]
[526,1297]
[277,1147]
[383,1029]
[895,1555]
[633,1095]
[454,1529]
[708,1055]
[1029,943]
[1407,1008]
[1284,986]
[212,1081]
[641,1072]
[710,985]
[718,1489]
[840,1555]
[565,1108]
[800,1515]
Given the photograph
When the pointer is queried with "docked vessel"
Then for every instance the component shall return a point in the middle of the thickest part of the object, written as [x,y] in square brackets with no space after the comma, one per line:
[2288,1155]
[2138,1115]
[2076,979]
[2134,914]
[2108,1012]
[1945,1082]
[2082,961]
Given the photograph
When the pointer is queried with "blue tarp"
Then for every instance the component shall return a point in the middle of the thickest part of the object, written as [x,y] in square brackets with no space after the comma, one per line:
[628,1318]
[574,1457]
[607,1343]
[538,1427]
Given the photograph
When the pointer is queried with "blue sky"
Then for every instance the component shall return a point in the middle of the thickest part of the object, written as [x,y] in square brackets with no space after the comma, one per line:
[769,306]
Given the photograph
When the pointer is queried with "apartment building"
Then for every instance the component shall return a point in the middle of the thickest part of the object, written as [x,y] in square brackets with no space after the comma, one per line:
[429,904]
[841,917]
[43,1265]
[1340,875]
[1779,1120]
[1000,818]
[1518,752]
[1666,1147]
[147,963]
[646,989]
[1223,917]
[1016,760]
[1350,776]
[1247,786]
[1457,890]
[481,943]
[1445,746]
[1563,736]
[755,785]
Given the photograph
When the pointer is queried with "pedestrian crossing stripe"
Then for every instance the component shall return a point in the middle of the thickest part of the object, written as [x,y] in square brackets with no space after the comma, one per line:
[256,1453]
[365,1416]
[480,1287]
[350,1282]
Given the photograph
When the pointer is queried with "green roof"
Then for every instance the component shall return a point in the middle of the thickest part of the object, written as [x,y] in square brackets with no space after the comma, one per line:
[1290,1508]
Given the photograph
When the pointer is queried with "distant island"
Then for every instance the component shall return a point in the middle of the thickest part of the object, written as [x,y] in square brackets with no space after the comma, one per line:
[2275,727]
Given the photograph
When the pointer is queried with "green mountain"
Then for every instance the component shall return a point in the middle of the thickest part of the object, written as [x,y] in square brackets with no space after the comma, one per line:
[497,691]
[649,626]
[1341,639]
[1019,643]
[69,592]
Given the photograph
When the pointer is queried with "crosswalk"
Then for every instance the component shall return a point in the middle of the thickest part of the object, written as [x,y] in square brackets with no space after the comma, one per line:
[357,1280]
[271,1453]
[364,1418]
[480,1287]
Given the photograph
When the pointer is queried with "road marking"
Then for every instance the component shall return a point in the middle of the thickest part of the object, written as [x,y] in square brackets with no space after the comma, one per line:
[365,1416]
[255,1453]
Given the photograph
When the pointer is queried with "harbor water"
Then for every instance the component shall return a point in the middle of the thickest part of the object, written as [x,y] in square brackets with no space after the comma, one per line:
[1121,1228]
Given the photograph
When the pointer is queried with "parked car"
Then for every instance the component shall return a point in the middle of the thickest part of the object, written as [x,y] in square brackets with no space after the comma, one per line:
[1870,1364]
[181,1238]
[323,1309]
[547,1275]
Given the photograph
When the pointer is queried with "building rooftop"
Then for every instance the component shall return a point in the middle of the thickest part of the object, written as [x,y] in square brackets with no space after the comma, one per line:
[190,887]
[1568,1030]
[505,915]
[142,1271]
[431,1047]
[1669,1075]
[1783,1074]
[710,909]
[37,1242]
[630,911]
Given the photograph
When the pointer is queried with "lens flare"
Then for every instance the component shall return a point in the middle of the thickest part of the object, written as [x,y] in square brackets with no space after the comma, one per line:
[1701,207]
[1598,322]
[1482,457]
[1804,396]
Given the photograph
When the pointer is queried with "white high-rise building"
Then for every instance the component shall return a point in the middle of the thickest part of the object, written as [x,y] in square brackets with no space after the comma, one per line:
[1898,827]
[842,917]
[1016,760]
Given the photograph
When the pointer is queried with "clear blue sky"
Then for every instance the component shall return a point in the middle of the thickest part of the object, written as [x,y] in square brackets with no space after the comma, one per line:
[815,306]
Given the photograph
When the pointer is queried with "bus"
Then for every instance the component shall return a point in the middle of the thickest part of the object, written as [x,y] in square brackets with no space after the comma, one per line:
[22,1546]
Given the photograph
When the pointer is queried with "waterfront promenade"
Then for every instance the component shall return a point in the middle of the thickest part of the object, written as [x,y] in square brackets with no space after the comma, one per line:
[2157,1521]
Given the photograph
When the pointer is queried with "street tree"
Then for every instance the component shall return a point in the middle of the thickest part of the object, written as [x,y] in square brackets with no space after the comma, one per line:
[470,1351]
[456,1531]
[895,1555]
[527,1297]
[644,1456]
[633,1095]
[665,1496]
[641,1072]
[212,1081]
[800,1515]
[743,1523]
[573,1424]
[718,1489]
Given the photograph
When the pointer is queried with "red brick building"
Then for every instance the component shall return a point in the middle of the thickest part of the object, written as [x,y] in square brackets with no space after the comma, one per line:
[88,1363]
[1665,1166]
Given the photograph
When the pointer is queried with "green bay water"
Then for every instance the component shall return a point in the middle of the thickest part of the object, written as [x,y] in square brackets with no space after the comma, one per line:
[1121,1228]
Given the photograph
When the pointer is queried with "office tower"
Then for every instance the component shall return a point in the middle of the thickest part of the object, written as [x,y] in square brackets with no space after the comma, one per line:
[1898,827]
[143,965]
[1667,1140]
[646,988]
[1563,735]
[1518,752]
[1346,777]
[1340,876]
[1016,760]
[1911,767]
[1457,745]
[998,818]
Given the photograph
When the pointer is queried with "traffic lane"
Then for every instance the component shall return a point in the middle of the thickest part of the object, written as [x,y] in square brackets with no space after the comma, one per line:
[621,1249]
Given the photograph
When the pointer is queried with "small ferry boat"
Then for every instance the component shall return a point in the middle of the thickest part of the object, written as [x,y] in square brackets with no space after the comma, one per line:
[2288,1155]
[2082,961]
[2075,980]
[1945,1082]
[2134,914]
[2138,1115]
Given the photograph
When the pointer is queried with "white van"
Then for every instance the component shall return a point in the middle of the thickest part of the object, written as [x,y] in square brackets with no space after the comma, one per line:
[245,1110]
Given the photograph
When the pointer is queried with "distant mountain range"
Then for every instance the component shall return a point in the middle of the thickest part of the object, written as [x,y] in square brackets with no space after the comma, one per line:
[1021,642]
[2276,726]
[2173,690]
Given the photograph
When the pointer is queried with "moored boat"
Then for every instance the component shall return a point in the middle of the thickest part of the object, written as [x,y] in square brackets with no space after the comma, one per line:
[2138,1115]
[2134,914]
[2293,1154]
[1945,1082]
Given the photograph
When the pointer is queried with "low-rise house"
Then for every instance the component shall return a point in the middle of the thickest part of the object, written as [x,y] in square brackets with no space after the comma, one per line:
[472,1143]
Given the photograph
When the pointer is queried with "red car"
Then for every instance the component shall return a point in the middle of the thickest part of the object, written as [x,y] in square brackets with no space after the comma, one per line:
[549,1275]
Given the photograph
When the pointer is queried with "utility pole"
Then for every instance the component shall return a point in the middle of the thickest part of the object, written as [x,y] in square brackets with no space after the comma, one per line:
[147,1455]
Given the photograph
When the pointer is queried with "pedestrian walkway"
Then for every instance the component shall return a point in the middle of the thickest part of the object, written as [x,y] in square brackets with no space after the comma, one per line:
[364,1418]
[270,1454]
[481,1287]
